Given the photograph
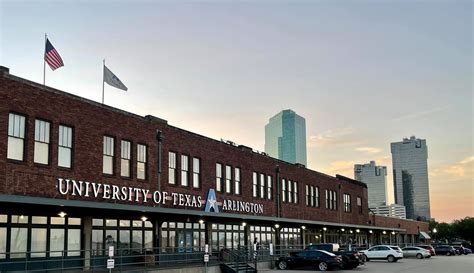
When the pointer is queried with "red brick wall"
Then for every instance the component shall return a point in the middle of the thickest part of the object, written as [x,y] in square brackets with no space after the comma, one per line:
[91,121]
[411,226]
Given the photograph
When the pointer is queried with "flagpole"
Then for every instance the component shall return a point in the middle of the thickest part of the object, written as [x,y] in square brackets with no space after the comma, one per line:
[44,60]
[103,79]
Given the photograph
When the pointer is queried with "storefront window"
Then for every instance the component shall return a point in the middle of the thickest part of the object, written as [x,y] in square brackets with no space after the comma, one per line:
[38,242]
[137,239]
[182,237]
[19,219]
[97,242]
[39,220]
[18,242]
[58,220]
[3,242]
[56,242]
[74,242]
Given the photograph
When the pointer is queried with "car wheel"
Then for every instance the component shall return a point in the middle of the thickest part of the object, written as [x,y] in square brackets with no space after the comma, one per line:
[448,254]
[365,258]
[391,259]
[282,265]
[323,266]
[419,256]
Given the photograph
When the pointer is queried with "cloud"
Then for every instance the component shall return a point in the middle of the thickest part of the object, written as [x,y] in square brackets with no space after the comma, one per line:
[334,137]
[369,150]
[460,169]
[421,114]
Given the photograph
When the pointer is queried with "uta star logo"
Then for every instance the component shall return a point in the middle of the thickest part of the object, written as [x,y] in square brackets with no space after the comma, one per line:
[211,202]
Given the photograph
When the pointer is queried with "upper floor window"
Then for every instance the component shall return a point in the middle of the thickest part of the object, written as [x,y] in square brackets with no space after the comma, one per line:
[359,205]
[219,180]
[269,187]
[347,202]
[16,136]
[125,156]
[312,196]
[331,200]
[290,191]
[172,172]
[184,170]
[262,185]
[196,172]
[237,184]
[141,161]
[295,192]
[65,147]
[42,133]
[283,190]
[255,184]
[228,179]
[108,155]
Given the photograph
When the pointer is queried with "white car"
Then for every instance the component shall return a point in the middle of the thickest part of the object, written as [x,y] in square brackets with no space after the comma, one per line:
[413,251]
[383,252]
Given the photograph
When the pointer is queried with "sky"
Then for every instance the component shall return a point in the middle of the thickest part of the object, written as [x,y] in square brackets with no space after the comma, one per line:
[362,73]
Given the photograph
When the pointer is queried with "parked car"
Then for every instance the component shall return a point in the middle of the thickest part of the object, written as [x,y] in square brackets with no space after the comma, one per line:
[309,259]
[467,251]
[350,259]
[459,249]
[445,250]
[429,248]
[382,252]
[418,252]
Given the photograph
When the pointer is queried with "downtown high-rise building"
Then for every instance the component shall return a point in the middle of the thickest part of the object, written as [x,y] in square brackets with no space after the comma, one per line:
[376,179]
[410,177]
[285,137]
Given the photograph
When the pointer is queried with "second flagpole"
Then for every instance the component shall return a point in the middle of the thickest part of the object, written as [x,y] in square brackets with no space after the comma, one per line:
[44,59]
[103,79]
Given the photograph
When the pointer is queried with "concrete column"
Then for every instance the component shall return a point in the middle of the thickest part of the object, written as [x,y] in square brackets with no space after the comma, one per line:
[87,235]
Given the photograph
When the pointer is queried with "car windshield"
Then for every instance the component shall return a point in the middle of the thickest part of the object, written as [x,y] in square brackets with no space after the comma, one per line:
[395,248]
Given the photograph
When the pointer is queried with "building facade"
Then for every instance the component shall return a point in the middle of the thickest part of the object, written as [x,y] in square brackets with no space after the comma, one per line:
[410,177]
[393,210]
[77,176]
[376,179]
[285,137]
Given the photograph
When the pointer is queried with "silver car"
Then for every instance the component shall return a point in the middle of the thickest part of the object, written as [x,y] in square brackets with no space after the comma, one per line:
[414,251]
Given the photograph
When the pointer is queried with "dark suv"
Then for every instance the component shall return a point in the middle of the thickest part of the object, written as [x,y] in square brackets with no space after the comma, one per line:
[350,259]
[445,250]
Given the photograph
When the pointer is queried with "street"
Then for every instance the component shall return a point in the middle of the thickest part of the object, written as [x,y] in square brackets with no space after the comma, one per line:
[441,264]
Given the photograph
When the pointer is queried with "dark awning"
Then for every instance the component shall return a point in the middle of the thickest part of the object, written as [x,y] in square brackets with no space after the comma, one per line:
[424,235]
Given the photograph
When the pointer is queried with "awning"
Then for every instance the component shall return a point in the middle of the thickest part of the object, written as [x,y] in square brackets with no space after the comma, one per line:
[425,235]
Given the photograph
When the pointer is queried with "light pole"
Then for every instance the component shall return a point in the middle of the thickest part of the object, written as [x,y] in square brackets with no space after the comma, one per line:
[434,233]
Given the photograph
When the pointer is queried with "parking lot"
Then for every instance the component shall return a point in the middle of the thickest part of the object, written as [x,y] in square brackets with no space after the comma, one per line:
[441,264]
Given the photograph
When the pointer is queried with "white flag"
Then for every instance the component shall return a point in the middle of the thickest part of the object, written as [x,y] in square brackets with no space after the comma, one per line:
[113,80]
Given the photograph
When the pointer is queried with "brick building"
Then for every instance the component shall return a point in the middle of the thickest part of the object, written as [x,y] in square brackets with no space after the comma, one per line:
[76,175]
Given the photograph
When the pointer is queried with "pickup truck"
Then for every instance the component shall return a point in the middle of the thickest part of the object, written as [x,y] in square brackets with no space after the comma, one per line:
[350,259]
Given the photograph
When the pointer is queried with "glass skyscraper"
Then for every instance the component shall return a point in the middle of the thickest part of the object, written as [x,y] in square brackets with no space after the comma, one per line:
[410,177]
[285,137]
[376,179]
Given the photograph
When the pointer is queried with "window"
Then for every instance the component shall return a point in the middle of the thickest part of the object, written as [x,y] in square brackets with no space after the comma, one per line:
[347,202]
[283,190]
[184,170]
[42,129]
[269,187]
[108,156]
[65,147]
[359,205]
[290,192]
[141,161]
[172,168]
[237,181]
[331,200]
[316,201]
[219,181]
[16,137]
[196,172]
[228,179]
[262,185]
[312,196]
[125,159]
[307,195]
[295,192]
[255,184]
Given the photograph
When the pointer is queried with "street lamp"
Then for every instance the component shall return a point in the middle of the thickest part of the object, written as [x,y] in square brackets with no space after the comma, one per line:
[434,233]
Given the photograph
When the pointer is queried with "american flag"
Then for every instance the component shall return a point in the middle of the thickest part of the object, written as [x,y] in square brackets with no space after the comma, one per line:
[51,56]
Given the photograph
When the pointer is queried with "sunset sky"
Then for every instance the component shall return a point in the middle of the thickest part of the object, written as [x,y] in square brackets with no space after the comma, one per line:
[362,73]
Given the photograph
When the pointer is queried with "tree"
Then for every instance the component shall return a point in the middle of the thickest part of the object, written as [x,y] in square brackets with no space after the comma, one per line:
[464,229]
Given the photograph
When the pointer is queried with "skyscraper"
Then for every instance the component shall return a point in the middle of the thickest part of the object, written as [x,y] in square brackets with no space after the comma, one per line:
[410,177]
[376,179]
[285,137]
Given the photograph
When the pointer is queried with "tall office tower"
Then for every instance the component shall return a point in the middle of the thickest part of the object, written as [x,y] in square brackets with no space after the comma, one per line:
[285,137]
[376,179]
[410,177]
